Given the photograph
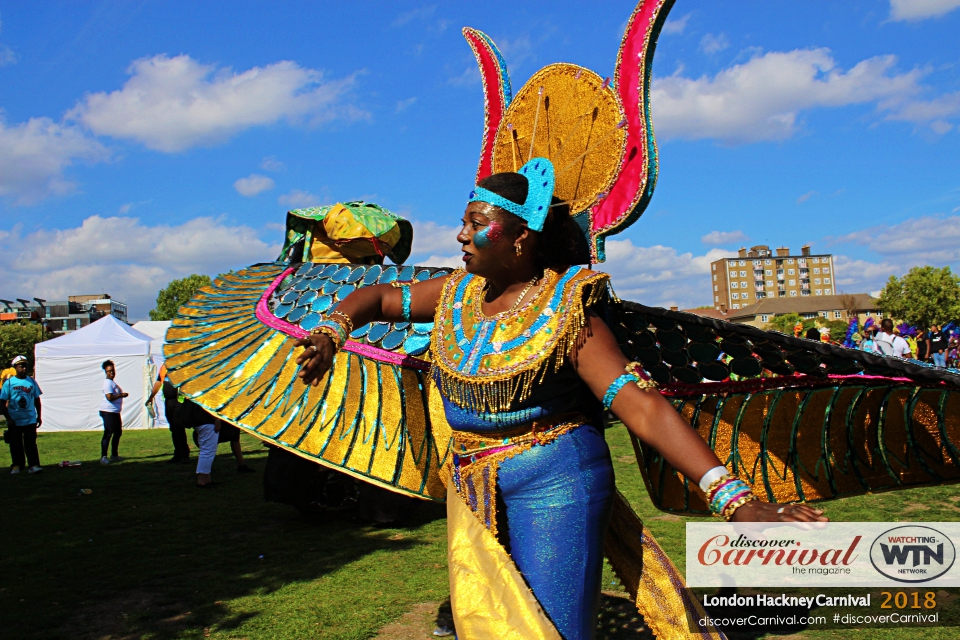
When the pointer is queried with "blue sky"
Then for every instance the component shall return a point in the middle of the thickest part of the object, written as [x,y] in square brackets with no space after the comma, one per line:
[142,141]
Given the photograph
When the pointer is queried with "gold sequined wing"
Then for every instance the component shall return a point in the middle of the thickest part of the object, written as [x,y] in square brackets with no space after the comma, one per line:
[230,351]
[797,419]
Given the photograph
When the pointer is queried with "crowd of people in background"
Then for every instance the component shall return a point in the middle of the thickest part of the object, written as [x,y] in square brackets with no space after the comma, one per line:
[20,406]
[937,346]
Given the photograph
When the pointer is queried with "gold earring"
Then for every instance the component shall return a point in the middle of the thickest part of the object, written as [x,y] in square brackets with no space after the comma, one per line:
[519,251]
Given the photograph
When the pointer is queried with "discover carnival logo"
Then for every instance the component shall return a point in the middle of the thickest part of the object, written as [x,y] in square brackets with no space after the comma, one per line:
[912,553]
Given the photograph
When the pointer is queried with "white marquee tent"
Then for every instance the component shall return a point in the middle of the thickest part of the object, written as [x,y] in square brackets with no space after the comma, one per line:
[70,375]
[156,329]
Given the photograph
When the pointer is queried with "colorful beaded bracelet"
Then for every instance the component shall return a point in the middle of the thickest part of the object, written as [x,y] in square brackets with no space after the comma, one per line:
[630,376]
[405,297]
[727,494]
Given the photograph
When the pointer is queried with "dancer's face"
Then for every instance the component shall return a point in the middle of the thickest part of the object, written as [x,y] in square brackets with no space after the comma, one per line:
[111,373]
[487,246]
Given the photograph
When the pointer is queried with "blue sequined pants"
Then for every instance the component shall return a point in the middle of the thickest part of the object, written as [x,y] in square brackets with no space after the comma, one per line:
[557,499]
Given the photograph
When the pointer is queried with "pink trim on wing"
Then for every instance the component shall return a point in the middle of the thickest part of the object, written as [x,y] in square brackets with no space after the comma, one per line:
[368,351]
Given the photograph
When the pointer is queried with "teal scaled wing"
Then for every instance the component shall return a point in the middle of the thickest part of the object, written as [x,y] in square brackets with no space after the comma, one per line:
[798,419]
[231,350]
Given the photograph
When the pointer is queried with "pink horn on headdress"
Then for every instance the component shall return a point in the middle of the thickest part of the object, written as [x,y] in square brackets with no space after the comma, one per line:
[496,93]
[631,191]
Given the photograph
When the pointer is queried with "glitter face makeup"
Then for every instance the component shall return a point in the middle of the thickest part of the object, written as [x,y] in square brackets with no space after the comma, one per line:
[488,235]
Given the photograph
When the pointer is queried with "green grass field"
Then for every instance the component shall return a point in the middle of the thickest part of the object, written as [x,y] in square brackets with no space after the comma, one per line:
[147,555]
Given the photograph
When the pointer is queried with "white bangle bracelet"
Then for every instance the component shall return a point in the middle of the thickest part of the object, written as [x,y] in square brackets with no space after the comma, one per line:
[712,476]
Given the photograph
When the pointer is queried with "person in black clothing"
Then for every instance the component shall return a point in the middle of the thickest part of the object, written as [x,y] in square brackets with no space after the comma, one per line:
[813,334]
[171,408]
[937,346]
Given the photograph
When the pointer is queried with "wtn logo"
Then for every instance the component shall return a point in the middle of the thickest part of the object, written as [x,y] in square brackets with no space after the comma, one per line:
[899,554]
[912,554]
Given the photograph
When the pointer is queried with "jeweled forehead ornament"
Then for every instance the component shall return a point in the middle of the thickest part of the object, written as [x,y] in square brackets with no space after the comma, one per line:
[540,179]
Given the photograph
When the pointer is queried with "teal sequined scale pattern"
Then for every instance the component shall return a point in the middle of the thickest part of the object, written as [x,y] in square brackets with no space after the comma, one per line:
[795,418]
[315,289]
[367,417]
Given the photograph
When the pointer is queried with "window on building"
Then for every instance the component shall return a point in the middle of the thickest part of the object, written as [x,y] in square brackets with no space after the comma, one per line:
[716,298]
[736,296]
[793,292]
[819,292]
[791,271]
[715,287]
[801,262]
[790,261]
[837,315]
[805,292]
[826,269]
[815,260]
[757,263]
[734,285]
[793,283]
[769,282]
[768,272]
[826,281]
[743,274]
[743,285]
[742,263]
[736,306]
[760,294]
[823,314]
[714,267]
[828,292]
[767,262]
[816,270]
[764,318]
[816,281]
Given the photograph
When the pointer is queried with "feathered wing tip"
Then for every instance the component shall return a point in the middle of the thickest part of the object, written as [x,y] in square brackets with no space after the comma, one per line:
[496,93]
[633,188]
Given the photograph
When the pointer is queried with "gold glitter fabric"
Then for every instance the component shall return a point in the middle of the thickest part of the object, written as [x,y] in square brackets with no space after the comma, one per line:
[489,597]
[367,418]
[574,111]
[652,579]
[794,445]
[477,459]
[488,363]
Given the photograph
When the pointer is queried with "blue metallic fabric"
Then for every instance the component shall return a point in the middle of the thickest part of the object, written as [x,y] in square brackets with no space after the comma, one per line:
[540,179]
[557,501]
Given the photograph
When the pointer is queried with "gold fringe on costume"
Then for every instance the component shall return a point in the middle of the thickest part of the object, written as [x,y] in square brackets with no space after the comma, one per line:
[480,457]
[525,342]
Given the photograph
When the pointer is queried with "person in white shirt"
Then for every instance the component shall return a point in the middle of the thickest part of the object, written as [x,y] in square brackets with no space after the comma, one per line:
[886,343]
[110,408]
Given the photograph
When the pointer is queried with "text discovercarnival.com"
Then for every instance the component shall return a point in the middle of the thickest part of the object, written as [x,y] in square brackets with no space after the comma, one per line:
[791,576]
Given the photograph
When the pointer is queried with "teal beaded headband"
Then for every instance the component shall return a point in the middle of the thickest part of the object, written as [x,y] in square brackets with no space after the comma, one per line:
[540,179]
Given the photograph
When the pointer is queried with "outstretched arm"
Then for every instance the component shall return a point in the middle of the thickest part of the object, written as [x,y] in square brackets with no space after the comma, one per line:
[380,302]
[650,417]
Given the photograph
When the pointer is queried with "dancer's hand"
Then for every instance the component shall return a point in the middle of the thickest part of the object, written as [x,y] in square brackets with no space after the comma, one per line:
[759,511]
[316,359]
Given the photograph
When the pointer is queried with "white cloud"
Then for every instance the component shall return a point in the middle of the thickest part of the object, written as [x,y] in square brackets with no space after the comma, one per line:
[432,239]
[298,198]
[173,104]
[762,98]
[724,237]
[675,27]
[912,10]
[123,257]
[711,44]
[7,56]
[927,240]
[931,112]
[34,154]
[253,184]
[419,13]
[270,163]
[403,104]
[807,196]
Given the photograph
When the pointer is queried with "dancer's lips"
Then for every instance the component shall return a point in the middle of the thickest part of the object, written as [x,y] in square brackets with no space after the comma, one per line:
[466,256]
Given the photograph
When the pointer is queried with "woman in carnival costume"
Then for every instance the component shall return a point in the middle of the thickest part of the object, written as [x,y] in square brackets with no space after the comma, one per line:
[486,387]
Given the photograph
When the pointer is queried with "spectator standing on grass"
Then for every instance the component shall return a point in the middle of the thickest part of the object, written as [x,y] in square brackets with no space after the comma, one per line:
[888,344]
[20,399]
[171,408]
[231,434]
[110,408]
[937,346]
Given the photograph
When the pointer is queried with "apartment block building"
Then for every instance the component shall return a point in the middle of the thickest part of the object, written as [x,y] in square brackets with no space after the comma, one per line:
[759,273]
